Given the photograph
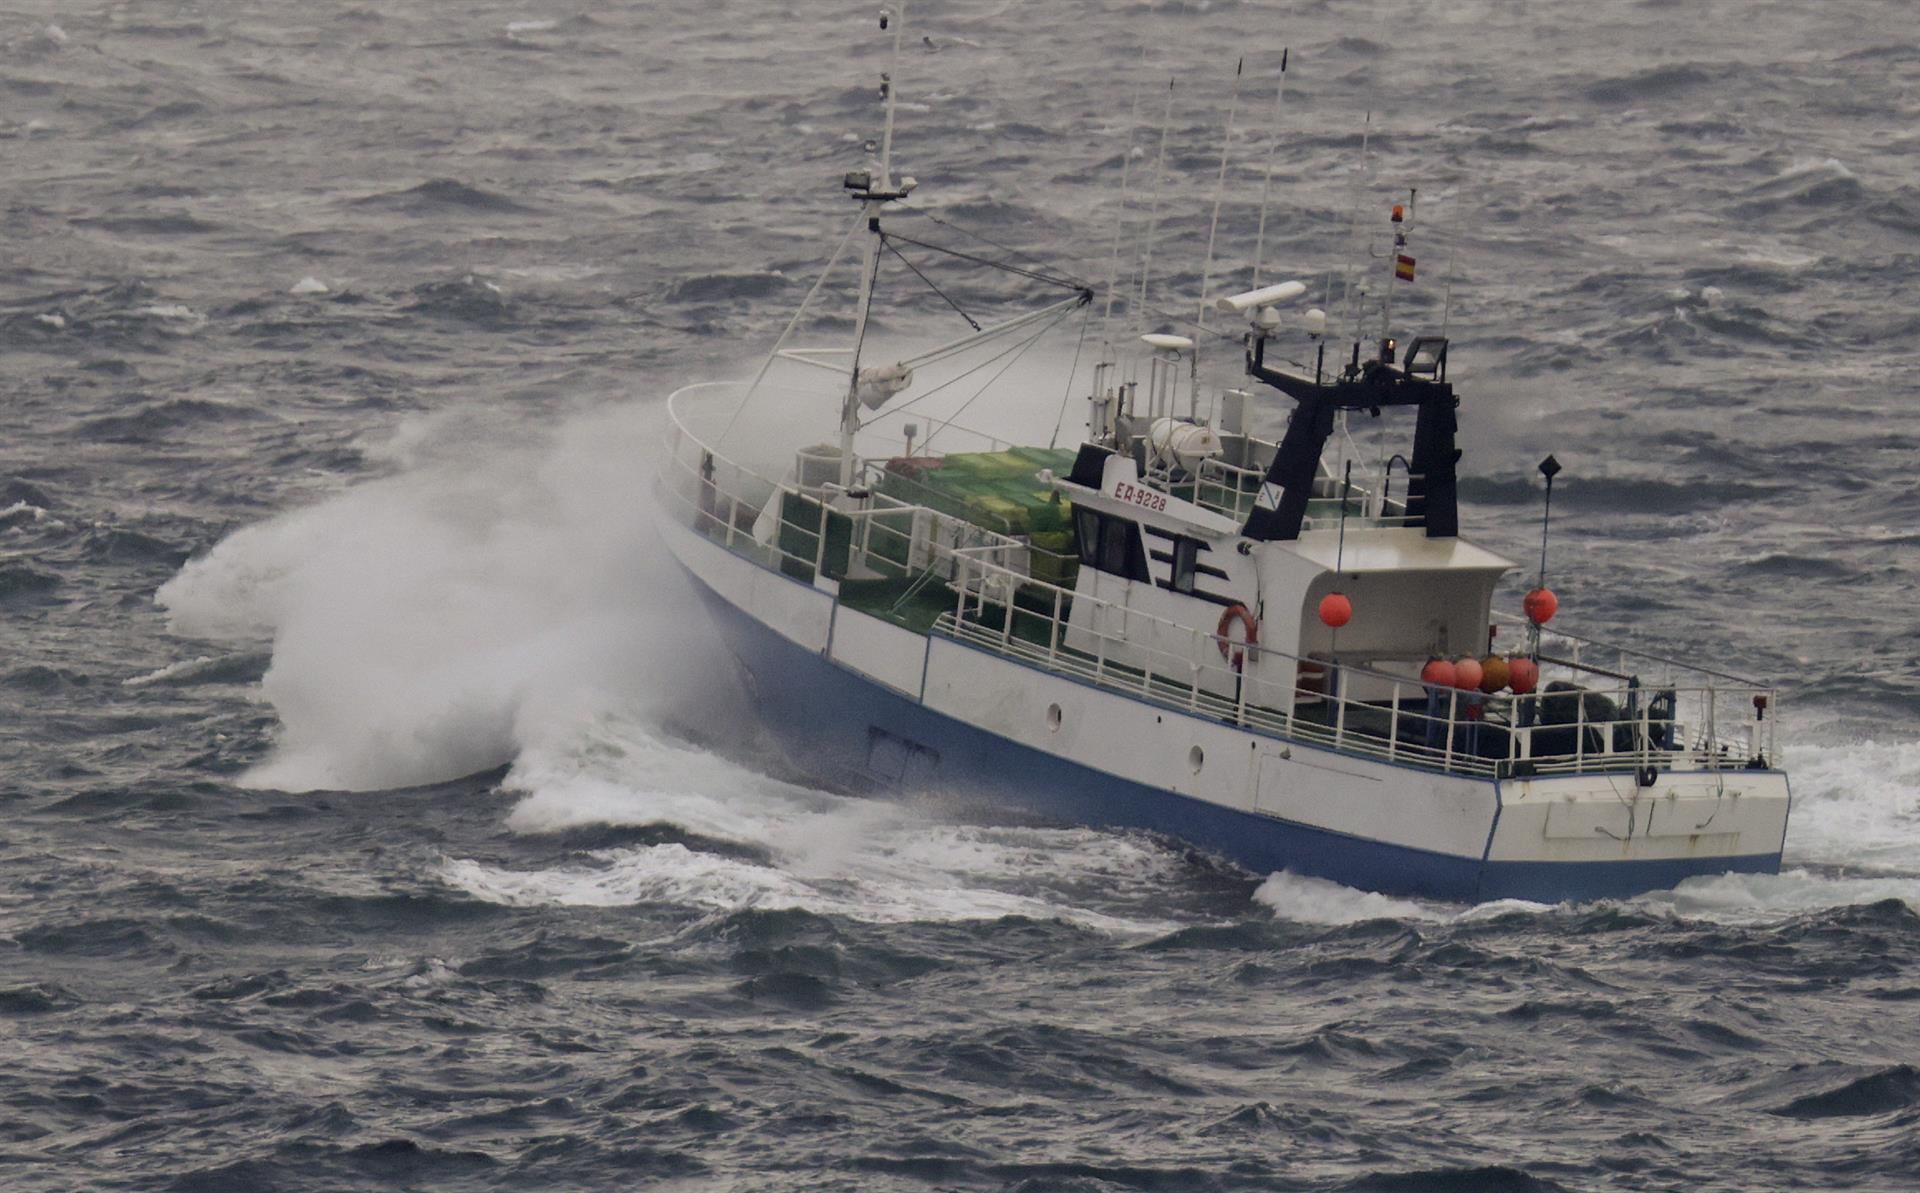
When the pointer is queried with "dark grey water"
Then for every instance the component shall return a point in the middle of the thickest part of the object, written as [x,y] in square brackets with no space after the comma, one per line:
[545,912]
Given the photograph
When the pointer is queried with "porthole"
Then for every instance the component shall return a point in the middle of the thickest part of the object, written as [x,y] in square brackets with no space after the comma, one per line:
[1053,718]
[1196,758]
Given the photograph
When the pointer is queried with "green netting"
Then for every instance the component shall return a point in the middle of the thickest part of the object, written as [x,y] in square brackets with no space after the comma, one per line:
[995,490]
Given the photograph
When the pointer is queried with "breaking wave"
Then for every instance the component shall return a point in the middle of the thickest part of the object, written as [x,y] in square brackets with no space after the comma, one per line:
[430,624]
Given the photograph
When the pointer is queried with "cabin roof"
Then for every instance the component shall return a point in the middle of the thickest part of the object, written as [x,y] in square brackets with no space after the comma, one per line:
[1393,549]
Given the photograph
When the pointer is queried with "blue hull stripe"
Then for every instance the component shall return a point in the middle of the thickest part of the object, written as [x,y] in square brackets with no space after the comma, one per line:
[861,735]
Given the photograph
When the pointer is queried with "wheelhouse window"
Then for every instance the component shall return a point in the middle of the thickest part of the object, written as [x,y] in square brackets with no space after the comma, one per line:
[1110,544]
[1086,533]
[1186,553]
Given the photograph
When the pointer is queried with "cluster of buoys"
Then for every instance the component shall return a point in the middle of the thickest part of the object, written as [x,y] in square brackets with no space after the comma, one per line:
[1489,675]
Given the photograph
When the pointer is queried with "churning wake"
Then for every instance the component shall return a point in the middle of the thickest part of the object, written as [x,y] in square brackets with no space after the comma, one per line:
[495,601]
[749,840]
[434,622]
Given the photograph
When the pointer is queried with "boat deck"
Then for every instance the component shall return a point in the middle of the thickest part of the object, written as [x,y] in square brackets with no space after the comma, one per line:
[918,603]
[923,553]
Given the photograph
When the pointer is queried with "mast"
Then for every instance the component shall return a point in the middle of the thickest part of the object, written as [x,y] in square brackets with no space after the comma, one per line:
[873,194]
[850,405]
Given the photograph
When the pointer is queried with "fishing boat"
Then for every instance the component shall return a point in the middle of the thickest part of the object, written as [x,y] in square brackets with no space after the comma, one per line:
[1275,648]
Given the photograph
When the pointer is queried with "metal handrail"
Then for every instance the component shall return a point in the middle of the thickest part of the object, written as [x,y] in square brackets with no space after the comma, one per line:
[1627,651]
[980,566]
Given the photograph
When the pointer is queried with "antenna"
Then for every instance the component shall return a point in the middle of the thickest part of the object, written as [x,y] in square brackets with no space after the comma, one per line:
[1399,265]
[1353,234]
[1219,193]
[1540,604]
[1120,217]
[1266,185]
[1549,468]
[1153,211]
[888,89]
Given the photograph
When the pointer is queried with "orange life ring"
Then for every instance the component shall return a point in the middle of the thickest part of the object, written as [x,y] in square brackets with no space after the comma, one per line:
[1233,652]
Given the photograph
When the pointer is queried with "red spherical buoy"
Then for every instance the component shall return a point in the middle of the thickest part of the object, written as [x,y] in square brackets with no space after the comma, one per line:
[1493,673]
[1336,610]
[1522,674]
[1541,605]
[1438,673]
[1466,674]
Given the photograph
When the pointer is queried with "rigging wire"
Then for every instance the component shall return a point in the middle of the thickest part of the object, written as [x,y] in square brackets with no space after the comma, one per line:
[792,323]
[910,403]
[909,209]
[1068,283]
[886,243]
[1017,352]
[1067,396]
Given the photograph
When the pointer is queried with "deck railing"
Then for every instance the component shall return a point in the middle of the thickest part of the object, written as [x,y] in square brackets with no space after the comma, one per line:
[1712,722]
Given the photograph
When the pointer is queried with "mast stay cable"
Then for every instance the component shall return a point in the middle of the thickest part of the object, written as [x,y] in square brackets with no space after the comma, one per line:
[886,242]
[752,387]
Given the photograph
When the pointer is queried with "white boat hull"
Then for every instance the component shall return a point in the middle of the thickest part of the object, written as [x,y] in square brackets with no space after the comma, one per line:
[868,704]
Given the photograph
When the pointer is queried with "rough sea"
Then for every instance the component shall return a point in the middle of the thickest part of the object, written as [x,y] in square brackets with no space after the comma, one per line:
[379,810]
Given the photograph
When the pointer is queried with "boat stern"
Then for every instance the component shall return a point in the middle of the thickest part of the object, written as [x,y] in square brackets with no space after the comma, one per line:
[1611,835]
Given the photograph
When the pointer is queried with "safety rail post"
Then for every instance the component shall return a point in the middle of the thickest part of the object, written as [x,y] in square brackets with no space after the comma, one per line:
[1146,659]
[1393,726]
[1053,630]
[1453,710]
[1293,692]
[1643,737]
[1340,703]
[1195,661]
[1240,684]
[1100,643]
[1713,729]
[1006,628]
[820,543]
[1773,704]
[1579,730]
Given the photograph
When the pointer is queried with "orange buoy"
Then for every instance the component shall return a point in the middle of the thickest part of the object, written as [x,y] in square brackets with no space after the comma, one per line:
[1438,673]
[1522,674]
[1541,605]
[1336,610]
[1493,673]
[1466,673]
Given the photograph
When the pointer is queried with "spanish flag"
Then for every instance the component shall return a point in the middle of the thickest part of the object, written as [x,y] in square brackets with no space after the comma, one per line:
[1403,268]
